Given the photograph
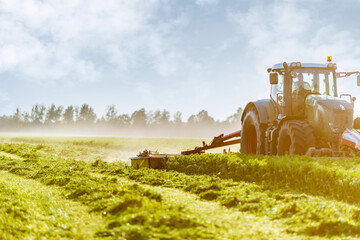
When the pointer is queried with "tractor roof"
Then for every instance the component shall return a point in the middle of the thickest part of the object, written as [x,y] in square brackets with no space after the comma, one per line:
[303,65]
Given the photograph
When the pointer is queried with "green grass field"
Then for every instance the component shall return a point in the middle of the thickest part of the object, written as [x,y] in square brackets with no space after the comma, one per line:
[82,188]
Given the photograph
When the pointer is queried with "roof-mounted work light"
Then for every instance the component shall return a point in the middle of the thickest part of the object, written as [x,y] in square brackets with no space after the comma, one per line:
[295,65]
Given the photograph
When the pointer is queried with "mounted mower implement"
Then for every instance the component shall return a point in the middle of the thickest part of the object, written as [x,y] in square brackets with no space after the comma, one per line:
[304,115]
[154,160]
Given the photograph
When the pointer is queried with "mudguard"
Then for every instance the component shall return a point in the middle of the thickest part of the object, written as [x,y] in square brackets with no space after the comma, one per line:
[265,108]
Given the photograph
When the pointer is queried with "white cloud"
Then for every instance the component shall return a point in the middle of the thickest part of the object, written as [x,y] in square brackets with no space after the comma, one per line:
[206,2]
[74,39]
[268,24]
[292,31]
[168,63]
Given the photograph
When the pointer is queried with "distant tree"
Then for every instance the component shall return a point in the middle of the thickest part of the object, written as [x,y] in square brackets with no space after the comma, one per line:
[235,119]
[177,118]
[53,114]
[86,114]
[192,120]
[203,118]
[154,118]
[76,113]
[124,119]
[139,118]
[69,114]
[159,118]
[111,114]
[25,117]
[17,116]
[58,113]
[37,114]
[164,118]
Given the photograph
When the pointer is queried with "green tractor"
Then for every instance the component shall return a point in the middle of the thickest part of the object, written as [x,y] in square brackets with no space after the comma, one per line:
[304,115]
[304,112]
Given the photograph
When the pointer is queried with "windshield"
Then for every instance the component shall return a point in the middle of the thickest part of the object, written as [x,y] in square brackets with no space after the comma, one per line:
[316,81]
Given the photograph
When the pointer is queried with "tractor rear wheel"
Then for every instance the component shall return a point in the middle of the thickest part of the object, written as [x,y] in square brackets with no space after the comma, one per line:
[252,134]
[295,137]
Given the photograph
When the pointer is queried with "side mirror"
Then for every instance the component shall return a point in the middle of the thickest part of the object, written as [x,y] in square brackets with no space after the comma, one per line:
[356,124]
[353,99]
[358,80]
[274,78]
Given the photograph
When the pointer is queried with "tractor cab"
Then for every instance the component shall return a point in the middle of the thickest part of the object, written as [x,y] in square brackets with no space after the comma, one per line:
[302,80]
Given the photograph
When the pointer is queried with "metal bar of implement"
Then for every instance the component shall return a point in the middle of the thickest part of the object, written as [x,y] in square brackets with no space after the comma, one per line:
[221,138]
[218,141]
[199,150]
[231,142]
[232,135]
[221,144]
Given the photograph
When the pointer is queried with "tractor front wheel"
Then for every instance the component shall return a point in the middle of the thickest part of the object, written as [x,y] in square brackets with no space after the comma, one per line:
[295,137]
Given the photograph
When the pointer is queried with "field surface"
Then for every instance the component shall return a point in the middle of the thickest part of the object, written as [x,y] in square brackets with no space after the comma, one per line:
[83,188]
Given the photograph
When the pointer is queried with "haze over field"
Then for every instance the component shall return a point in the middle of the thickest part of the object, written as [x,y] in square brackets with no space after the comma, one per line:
[158,54]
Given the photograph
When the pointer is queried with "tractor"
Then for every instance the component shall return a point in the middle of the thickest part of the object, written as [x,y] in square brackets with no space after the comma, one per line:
[303,115]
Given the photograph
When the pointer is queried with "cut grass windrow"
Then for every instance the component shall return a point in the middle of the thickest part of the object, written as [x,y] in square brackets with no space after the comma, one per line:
[31,210]
[228,222]
[144,213]
[299,209]
[129,210]
[301,213]
[334,178]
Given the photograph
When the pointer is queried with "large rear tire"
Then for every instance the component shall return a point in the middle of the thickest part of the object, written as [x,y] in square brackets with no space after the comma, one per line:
[295,137]
[252,134]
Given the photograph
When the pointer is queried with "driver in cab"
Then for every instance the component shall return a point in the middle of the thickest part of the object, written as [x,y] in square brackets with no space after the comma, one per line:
[300,86]
[300,89]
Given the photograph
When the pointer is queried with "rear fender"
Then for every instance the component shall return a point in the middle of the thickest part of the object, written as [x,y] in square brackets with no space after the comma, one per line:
[265,109]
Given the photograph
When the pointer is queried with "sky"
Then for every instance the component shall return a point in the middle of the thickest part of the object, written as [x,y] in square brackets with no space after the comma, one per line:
[178,55]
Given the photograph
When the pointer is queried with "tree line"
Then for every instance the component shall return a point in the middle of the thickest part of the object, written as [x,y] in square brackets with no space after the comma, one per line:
[41,116]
